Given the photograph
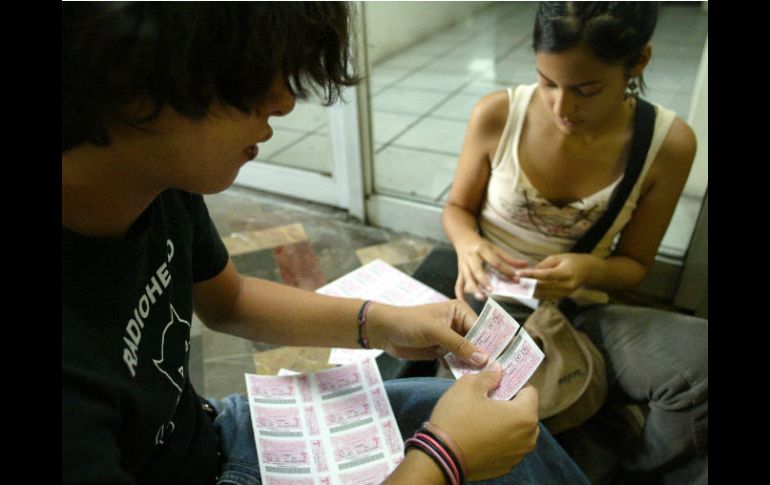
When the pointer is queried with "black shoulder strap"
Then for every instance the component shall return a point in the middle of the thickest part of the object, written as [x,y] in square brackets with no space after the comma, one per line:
[644,123]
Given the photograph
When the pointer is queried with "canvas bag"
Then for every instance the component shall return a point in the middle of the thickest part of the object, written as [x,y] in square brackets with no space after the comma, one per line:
[572,379]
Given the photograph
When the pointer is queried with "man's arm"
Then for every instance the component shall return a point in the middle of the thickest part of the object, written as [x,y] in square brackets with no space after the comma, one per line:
[265,311]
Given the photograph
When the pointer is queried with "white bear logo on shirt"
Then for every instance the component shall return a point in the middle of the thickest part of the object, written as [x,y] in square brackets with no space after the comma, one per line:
[176,333]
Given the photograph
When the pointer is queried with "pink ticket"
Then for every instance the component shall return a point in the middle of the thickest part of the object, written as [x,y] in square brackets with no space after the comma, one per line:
[284,453]
[274,480]
[371,371]
[304,388]
[277,419]
[518,366]
[393,437]
[504,288]
[346,410]
[381,403]
[492,332]
[270,387]
[334,380]
[373,475]
[496,332]
[356,444]
[319,455]
[312,421]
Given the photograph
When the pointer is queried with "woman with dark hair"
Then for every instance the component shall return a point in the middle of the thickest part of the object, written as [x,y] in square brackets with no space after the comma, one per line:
[164,102]
[538,167]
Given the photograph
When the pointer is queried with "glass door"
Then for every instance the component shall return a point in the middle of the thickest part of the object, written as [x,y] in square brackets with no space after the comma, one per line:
[313,155]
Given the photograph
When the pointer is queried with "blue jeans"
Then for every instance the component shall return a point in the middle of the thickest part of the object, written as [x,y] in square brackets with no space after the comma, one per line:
[412,401]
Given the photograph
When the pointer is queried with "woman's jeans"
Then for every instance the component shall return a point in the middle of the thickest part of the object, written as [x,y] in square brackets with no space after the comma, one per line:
[412,401]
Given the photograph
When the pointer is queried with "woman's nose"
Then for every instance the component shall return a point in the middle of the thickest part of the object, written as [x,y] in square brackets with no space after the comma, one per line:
[565,104]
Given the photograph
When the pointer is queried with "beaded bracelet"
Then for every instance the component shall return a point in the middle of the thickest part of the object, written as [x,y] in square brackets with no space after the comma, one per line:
[361,318]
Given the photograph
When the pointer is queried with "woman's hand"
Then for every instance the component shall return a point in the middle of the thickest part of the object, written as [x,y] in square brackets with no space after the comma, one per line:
[471,262]
[493,435]
[424,332]
[559,275]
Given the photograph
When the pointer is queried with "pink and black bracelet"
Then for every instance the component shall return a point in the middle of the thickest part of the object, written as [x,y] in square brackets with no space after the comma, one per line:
[451,446]
[436,455]
[442,449]
[361,318]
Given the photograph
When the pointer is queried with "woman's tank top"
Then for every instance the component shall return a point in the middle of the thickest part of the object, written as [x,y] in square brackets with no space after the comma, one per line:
[516,217]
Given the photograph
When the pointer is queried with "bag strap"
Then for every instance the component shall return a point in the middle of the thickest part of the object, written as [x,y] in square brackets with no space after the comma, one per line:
[644,123]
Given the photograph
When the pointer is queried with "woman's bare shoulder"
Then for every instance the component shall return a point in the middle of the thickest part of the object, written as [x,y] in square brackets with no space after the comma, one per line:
[491,112]
[678,149]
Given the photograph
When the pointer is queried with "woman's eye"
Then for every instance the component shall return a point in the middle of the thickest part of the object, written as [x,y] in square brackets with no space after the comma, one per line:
[588,94]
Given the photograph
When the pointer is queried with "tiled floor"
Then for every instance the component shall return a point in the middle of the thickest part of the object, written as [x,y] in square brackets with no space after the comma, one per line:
[422,97]
[295,243]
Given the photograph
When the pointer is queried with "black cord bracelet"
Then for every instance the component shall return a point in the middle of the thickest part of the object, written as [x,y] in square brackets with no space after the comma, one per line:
[363,342]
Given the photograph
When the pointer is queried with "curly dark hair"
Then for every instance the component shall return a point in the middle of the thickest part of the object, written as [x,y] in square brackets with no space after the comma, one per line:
[188,54]
[615,32]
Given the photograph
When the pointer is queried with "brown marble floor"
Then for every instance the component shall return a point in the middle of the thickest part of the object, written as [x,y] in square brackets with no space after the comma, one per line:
[296,243]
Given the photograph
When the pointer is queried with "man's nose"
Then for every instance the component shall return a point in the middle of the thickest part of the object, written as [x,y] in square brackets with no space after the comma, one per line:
[280,101]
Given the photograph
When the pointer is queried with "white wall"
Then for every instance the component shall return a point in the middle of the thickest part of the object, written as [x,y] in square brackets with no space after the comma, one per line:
[699,120]
[393,26]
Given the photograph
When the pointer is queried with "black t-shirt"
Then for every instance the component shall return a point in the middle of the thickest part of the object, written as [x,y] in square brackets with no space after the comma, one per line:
[129,411]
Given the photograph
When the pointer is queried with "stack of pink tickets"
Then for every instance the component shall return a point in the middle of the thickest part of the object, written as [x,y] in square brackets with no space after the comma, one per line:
[501,336]
[332,427]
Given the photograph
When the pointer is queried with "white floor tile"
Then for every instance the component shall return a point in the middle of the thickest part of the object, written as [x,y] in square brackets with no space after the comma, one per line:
[434,81]
[481,87]
[412,173]
[403,100]
[405,61]
[434,134]
[387,125]
[313,153]
[280,140]
[304,118]
[458,107]
[472,64]
[382,77]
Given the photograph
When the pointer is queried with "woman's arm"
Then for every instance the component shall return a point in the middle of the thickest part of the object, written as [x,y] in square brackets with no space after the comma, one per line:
[559,275]
[460,214]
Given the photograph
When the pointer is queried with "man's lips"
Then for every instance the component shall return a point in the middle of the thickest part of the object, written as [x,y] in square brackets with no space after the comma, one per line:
[251,152]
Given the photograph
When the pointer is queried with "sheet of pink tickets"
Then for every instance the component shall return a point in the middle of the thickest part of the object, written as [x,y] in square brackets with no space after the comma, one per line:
[501,336]
[377,281]
[332,427]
